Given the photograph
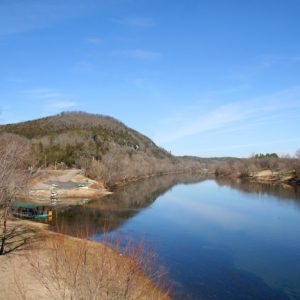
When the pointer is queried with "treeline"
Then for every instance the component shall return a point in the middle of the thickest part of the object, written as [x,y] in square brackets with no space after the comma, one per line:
[282,168]
[111,152]
[104,147]
[261,155]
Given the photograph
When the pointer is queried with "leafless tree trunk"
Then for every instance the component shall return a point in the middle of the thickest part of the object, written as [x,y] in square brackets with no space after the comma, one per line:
[12,179]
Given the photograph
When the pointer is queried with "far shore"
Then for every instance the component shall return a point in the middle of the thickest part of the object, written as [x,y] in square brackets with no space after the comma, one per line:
[73,187]
[267,177]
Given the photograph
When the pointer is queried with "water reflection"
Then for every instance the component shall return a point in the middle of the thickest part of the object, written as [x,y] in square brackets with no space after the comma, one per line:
[222,239]
[280,191]
[110,212]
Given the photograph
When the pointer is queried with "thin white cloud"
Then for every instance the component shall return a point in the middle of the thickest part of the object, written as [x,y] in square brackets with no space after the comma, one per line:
[95,40]
[138,82]
[217,118]
[195,122]
[42,93]
[135,21]
[263,63]
[83,66]
[16,80]
[21,16]
[239,146]
[52,98]
[64,104]
[270,60]
[226,91]
[139,54]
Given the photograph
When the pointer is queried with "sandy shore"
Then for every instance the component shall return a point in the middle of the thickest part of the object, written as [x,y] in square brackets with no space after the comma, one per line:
[71,187]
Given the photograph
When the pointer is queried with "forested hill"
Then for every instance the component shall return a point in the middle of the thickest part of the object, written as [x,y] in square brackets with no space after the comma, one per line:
[88,134]
[102,145]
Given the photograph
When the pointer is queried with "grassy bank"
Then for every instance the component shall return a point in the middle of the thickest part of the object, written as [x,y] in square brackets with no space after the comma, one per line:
[56,266]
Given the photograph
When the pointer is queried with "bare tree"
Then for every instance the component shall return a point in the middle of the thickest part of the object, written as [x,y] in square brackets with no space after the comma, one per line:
[81,269]
[12,179]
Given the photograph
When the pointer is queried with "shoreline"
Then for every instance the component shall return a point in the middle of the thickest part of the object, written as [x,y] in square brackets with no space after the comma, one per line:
[39,191]
[266,177]
[20,278]
[126,181]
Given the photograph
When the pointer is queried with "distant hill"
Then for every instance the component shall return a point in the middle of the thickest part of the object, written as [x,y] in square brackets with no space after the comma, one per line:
[77,128]
[102,145]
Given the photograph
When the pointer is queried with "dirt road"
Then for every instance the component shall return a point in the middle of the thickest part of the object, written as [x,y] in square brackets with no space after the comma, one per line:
[70,185]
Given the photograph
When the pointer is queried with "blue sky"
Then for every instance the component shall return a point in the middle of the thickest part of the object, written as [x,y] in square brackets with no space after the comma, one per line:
[206,78]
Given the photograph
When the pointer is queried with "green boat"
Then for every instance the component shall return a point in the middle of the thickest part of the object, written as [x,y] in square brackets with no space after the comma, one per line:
[30,210]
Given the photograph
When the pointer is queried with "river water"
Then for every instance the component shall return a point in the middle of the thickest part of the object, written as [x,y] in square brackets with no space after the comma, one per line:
[217,239]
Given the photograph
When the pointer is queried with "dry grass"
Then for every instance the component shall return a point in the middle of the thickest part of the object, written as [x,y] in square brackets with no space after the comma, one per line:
[62,267]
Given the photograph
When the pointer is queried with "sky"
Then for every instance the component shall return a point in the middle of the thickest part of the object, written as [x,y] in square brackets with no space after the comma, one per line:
[206,78]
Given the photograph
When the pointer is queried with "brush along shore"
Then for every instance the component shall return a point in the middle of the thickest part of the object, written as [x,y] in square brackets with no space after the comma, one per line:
[56,266]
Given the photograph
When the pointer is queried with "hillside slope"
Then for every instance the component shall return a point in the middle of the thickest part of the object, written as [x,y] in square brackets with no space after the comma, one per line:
[106,148]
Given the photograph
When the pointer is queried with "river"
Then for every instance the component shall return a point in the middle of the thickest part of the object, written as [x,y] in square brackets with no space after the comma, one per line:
[218,239]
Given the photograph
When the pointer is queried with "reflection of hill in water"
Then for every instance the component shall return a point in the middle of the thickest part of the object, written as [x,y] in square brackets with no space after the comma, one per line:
[281,192]
[110,212]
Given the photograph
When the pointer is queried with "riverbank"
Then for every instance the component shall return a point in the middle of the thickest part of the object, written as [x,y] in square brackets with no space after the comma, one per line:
[261,168]
[55,265]
[74,188]
[270,176]
[69,187]
[266,176]
[125,181]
